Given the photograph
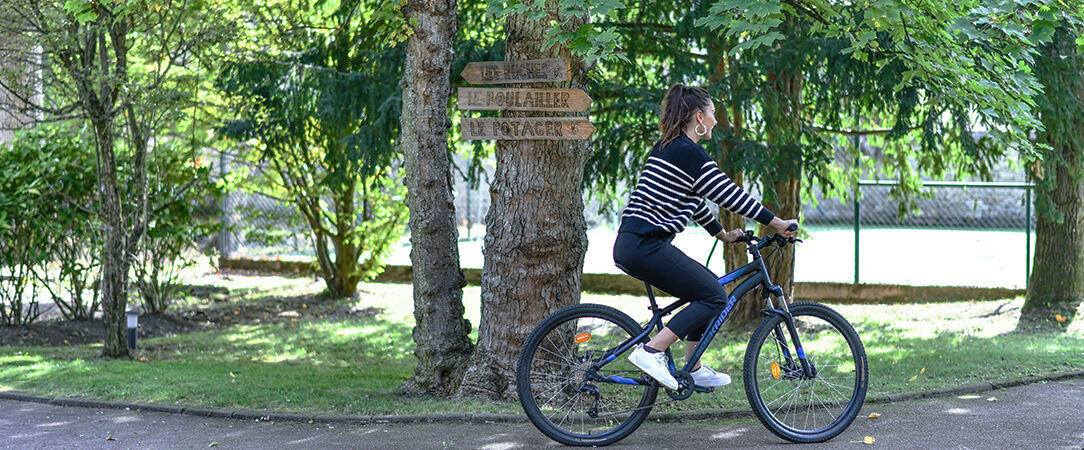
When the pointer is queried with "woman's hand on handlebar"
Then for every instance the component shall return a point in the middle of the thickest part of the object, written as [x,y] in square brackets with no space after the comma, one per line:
[787,228]
[730,237]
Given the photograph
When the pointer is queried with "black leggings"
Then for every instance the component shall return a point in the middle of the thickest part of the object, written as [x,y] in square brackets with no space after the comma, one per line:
[652,258]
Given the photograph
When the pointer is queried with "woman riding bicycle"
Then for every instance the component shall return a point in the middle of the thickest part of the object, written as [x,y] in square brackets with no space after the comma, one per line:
[677,178]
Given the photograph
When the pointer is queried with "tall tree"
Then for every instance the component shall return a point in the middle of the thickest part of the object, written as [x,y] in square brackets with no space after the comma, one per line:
[322,105]
[792,76]
[112,63]
[1056,285]
[440,331]
[536,235]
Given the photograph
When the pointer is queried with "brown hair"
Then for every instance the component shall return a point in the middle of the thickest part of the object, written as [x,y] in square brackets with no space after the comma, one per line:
[678,108]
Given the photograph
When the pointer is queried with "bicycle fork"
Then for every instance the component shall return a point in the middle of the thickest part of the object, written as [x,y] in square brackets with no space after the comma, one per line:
[808,369]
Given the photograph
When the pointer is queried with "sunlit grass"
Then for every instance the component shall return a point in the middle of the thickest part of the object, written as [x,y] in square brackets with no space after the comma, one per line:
[354,365]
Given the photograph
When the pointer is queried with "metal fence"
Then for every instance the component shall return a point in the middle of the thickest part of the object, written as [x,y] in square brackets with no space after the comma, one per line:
[945,207]
[948,213]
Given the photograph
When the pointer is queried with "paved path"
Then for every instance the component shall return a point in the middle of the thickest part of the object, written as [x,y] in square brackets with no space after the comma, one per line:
[1037,416]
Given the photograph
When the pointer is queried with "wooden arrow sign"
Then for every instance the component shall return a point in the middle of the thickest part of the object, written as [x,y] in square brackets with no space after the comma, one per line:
[526,128]
[508,99]
[525,71]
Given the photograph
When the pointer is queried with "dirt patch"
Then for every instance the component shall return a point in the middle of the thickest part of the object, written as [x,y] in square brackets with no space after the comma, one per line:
[57,332]
[220,308]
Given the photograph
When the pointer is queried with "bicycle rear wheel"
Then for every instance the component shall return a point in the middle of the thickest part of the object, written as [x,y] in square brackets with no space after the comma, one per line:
[556,387]
[792,405]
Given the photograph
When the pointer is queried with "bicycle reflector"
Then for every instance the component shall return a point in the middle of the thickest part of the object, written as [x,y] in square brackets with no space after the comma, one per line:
[775,370]
[584,337]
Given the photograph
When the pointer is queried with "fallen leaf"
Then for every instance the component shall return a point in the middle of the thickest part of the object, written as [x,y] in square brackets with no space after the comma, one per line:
[65,341]
[992,399]
[874,415]
[922,371]
[869,440]
[232,375]
[913,378]
[1060,318]
[213,444]
[110,438]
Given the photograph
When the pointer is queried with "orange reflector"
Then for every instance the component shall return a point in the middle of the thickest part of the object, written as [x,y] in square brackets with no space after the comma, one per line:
[775,370]
[583,337]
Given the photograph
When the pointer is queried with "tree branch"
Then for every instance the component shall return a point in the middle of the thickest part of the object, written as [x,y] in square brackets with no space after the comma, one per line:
[873,132]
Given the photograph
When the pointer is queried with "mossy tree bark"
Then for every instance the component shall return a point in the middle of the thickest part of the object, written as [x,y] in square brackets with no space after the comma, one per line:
[440,331]
[536,235]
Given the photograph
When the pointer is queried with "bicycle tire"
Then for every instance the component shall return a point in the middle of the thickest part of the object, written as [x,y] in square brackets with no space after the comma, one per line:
[537,377]
[818,339]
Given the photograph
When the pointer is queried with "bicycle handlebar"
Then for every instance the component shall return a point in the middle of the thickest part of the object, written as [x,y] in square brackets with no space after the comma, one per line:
[764,241]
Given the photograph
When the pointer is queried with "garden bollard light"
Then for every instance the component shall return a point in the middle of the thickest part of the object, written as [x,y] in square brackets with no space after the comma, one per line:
[133,323]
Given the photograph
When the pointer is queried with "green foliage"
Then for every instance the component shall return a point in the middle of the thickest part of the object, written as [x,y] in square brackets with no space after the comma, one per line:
[49,228]
[1060,68]
[323,122]
[925,76]
[587,40]
[972,56]
[178,226]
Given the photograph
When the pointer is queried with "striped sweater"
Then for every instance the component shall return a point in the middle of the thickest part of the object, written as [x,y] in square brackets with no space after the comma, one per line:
[673,187]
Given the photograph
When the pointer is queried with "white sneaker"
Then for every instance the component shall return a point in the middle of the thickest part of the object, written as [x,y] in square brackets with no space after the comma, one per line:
[708,377]
[654,364]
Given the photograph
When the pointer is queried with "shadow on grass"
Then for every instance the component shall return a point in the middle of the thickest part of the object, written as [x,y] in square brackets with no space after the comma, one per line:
[353,365]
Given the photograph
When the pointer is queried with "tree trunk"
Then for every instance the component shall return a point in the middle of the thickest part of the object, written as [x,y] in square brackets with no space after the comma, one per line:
[114,282]
[536,235]
[440,331]
[729,117]
[782,108]
[1056,285]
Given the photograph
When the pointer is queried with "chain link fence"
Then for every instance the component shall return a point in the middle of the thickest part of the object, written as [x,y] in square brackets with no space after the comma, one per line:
[961,233]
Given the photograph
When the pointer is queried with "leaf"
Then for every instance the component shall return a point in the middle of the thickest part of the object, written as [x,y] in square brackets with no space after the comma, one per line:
[874,415]
[869,440]
[232,375]
[110,438]
[922,371]
[1060,318]
[992,399]
[913,378]
[213,444]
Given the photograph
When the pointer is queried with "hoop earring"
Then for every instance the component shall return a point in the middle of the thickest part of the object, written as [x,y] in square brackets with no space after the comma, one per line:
[697,129]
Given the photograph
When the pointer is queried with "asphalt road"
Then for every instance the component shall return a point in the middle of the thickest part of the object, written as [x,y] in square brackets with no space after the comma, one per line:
[1038,416]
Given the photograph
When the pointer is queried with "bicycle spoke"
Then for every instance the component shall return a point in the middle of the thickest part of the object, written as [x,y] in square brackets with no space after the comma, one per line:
[822,405]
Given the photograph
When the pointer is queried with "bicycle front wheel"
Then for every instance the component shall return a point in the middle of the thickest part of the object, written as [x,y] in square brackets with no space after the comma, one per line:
[562,396]
[793,405]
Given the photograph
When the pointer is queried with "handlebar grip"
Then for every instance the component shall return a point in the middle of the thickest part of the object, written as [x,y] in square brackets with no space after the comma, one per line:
[793,227]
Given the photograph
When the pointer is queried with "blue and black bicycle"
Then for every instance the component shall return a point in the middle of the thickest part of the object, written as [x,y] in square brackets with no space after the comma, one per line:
[805,370]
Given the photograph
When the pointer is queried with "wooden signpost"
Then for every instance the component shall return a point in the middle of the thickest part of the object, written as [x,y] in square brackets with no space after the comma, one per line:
[507,99]
[523,128]
[520,99]
[525,71]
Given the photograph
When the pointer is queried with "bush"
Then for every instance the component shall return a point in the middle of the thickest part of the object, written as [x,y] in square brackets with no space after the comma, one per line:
[47,221]
[181,184]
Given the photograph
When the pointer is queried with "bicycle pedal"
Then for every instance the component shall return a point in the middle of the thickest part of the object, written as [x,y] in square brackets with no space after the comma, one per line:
[703,389]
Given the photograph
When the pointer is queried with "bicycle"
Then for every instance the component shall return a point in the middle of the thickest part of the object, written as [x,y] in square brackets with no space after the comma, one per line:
[577,389]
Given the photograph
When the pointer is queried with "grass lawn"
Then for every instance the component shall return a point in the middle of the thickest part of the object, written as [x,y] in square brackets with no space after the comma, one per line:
[306,359]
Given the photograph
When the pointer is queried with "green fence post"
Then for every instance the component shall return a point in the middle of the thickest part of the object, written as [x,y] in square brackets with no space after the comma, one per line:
[857,188]
[856,229]
[1027,239]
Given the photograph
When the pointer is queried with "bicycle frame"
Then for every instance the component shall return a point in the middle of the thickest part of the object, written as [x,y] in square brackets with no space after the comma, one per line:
[758,277]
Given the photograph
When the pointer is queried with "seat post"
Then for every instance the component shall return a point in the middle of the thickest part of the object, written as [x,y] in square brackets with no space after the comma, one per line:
[651,296]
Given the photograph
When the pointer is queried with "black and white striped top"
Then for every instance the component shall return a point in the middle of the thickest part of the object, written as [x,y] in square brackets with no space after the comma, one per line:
[673,187]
